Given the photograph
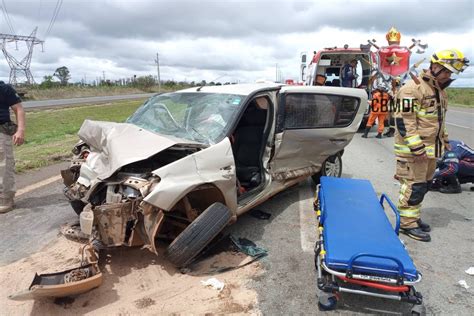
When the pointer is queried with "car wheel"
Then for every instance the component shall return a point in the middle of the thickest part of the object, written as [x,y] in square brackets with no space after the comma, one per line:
[77,206]
[198,234]
[332,167]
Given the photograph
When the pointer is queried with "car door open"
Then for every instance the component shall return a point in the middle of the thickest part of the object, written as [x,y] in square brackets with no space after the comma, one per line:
[313,123]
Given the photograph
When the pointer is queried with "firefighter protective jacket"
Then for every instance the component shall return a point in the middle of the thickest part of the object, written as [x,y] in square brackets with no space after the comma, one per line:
[420,112]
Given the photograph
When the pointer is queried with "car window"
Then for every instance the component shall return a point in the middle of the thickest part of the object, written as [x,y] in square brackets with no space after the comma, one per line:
[202,117]
[309,110]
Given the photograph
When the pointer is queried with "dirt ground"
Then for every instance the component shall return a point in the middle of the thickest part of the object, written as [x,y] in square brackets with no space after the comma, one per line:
[135,282]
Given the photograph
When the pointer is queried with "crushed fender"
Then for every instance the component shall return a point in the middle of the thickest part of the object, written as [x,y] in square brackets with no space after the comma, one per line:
[66,283]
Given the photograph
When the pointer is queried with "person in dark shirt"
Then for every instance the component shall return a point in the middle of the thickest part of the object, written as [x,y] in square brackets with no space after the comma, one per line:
[349,74]
[10,134]
[455,168]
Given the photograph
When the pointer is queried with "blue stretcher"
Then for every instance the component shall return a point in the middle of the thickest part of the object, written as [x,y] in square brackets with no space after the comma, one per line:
[358,251]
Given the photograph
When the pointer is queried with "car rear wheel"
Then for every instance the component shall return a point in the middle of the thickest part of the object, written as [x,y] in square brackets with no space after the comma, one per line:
[332,167]
[198,234]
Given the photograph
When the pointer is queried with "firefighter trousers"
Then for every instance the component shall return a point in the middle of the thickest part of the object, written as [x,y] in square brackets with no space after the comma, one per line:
[380,118]
[414,178]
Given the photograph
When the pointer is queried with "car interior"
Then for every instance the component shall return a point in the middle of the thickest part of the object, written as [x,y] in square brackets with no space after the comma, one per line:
[248,144]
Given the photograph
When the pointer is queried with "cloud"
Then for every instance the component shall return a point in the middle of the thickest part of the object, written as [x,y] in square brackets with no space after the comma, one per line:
[241,40]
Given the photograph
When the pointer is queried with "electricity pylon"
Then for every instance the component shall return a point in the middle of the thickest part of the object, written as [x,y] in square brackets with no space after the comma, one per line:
[23,66]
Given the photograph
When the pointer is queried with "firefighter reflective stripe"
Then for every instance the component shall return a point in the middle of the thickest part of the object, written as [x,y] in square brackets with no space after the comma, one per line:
[424,114]
[401,149]
[455,160]
[403,189]
[430,152]
[413,141]
[405,150]
[409,212]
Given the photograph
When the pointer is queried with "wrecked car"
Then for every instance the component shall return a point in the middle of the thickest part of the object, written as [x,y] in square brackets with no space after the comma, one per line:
[188,163]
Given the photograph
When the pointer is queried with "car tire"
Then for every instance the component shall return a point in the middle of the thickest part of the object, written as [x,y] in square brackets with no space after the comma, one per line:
[77,206]
[331,167]
[198,234]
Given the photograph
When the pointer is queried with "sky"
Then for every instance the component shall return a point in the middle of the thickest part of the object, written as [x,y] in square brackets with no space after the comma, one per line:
[222,41]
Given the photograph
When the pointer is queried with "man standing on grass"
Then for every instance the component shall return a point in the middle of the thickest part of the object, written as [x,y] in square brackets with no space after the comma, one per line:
[10,133]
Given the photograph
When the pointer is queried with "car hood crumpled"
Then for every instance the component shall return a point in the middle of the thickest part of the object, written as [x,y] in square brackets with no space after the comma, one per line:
[114,145]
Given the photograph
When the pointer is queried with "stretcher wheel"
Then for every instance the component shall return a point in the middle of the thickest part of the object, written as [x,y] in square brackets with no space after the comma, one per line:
[327,302]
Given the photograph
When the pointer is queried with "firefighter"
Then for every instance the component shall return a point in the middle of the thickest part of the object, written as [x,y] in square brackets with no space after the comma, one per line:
[421,137]
[378,110]
[390,119]
[456,167]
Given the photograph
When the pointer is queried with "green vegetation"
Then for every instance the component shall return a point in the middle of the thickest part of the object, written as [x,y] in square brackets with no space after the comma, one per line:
[463,97]
[50,89]
[50,134]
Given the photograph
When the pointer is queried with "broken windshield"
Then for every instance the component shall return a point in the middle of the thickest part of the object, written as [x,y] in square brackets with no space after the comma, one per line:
[201,117]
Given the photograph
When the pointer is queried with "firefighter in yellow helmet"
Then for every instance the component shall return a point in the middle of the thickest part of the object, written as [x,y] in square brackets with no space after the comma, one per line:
[421,136]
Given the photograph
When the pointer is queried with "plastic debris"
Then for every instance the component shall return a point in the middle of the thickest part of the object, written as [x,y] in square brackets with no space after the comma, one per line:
[260,214]
[470,271]
[248,247]
[214,283]
[463,283]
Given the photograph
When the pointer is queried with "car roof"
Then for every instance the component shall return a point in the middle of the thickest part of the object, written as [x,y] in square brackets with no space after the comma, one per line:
[240,89]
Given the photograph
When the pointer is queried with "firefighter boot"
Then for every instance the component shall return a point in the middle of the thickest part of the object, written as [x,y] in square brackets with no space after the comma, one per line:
[423,226]
[390,132]
[452,186]
[379,135]
[366,132]
[416,233]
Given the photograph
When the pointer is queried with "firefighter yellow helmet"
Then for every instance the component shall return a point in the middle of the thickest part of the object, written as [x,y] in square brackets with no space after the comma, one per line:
[451,59]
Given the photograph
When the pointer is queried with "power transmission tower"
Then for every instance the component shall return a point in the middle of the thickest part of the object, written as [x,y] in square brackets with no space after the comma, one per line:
[23,66]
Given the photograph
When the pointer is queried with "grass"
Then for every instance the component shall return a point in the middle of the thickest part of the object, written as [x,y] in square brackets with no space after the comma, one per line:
[463,97]
[36,93]
[50,134]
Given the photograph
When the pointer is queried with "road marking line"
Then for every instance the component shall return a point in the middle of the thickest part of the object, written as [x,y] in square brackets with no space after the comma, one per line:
[307,219]
[459,125]
[37,185]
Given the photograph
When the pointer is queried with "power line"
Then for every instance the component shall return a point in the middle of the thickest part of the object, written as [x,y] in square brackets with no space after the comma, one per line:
[7,17]
[39,10]
[53,18]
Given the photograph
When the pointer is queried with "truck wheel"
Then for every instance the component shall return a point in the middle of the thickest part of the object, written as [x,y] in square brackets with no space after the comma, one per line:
[332,167]
[198,234]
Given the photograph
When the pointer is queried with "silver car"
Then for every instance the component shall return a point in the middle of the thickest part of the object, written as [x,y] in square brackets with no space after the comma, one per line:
[188,163]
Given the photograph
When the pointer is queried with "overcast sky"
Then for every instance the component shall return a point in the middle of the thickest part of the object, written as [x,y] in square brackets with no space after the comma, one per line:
[221,40]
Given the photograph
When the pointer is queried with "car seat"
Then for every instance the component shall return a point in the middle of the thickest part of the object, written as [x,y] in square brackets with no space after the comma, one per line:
[247,147]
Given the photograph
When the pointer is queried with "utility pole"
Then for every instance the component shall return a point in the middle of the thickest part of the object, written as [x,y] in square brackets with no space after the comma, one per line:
[276,72]
[157,62]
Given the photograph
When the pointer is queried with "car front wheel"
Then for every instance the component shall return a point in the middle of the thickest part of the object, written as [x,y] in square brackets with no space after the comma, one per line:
[198,234]
[332,167]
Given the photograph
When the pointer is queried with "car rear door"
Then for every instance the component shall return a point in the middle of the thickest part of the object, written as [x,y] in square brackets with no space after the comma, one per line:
[313,123]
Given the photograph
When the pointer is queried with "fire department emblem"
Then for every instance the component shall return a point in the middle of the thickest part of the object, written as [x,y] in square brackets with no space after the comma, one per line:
[393,60]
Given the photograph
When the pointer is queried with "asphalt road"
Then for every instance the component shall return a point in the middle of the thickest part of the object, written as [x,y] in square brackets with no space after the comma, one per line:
[287,286]
[88,100]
